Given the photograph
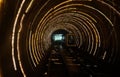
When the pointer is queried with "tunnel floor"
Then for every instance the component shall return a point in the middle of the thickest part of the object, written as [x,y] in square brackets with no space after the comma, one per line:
[63,63]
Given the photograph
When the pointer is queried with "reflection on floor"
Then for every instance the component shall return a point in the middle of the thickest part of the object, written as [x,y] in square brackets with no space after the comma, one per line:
[64,63]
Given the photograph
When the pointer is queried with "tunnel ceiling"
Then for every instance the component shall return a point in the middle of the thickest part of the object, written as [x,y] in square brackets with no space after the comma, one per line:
[94,23]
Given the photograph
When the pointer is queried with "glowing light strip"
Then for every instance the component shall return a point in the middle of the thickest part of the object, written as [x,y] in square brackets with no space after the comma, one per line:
[95,30]
[34,57]
[30,49]
[76,33]
[88,16]
[110,6]
[38,47]
[78,23]
[92,36]
[33,44]
[37,43]
[28,8]
[86,28]
[47,14]
[82,25]
[104,55]
[39,54]
[39,11]
[61,3]
[69,0]
[97,35]
[42,48]
[100,13]
[18,49]
[1,2]
[47,19]
[13,34]
[81,33]
[90,23]
[36,18]
[50,16]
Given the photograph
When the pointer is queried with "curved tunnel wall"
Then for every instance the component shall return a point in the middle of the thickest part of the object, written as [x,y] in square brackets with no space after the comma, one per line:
[96,31]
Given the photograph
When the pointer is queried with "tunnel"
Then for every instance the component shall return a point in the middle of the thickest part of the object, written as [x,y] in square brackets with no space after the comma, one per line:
[59,38]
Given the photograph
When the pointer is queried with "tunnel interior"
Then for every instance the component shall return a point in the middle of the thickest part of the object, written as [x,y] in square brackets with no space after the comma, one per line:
[59,38]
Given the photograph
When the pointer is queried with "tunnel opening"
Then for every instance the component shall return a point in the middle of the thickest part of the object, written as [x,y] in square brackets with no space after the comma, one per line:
[58,38]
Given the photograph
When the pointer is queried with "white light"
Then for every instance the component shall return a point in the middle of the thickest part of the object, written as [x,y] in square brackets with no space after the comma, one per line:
[58,37]
[104,55]
[18,49]
[13,34]
[29,6]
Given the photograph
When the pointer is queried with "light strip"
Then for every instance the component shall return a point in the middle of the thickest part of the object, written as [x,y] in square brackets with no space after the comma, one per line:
[104,55]
[28,8]
[30,49]
[109,6]
[33,51]
[100,13]
[13,35]
[18,49]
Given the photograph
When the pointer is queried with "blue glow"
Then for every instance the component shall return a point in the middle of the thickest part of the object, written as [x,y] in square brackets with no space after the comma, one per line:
[58,37]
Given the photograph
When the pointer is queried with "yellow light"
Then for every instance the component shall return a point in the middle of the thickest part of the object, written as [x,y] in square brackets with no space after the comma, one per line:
[1,2]
[69,0]
[1,74]
[29,6]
